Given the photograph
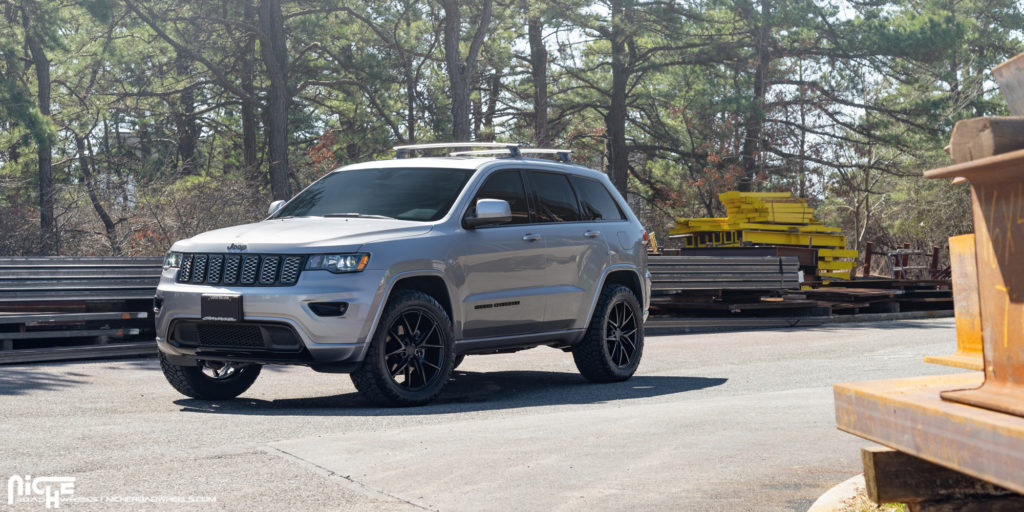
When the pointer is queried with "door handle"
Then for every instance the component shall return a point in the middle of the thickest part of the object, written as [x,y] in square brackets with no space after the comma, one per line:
[531,238]
[592,234]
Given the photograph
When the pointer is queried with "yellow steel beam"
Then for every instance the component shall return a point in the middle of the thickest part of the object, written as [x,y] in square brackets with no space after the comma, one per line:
[968,312]
[800,239]
[809,228]
[837,253]
[836,265]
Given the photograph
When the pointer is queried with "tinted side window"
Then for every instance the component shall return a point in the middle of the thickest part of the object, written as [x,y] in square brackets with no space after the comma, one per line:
[596,201]
[507,185]
[554,199]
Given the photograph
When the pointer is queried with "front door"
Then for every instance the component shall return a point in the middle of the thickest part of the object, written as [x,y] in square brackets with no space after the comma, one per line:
[503,267]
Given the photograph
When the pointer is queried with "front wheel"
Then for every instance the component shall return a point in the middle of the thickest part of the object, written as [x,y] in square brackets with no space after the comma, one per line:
[412,353]
[210,380]
[611,348]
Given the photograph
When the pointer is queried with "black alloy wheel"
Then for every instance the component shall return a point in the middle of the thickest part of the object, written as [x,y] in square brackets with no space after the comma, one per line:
[413,350]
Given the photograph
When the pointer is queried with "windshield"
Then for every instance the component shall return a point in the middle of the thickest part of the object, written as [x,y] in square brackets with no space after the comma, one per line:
[419,194]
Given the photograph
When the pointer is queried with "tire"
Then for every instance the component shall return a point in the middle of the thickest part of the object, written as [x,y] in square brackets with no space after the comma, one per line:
[210,380]
[614,341]
[411,355]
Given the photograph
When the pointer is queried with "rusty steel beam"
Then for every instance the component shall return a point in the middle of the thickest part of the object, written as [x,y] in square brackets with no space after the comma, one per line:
[966,308]
[908,415]
[997,201]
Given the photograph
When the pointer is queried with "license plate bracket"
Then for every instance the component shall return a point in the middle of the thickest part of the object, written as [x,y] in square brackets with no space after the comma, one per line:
[221,308]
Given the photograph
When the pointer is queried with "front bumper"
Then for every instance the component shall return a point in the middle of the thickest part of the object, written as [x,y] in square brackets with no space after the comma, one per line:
[315,340]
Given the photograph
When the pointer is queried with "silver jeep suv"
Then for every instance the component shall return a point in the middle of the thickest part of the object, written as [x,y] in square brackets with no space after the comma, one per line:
[395,270]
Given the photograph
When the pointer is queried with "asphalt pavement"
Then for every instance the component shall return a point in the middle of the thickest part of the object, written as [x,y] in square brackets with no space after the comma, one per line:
[729,421]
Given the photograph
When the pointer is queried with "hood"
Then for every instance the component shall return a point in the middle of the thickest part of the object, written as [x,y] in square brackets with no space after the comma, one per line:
[303,235]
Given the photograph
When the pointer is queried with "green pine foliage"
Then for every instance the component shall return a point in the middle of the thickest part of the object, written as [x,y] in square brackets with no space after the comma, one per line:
[159,107]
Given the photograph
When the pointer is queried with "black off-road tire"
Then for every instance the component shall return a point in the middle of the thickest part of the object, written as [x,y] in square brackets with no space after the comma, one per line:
[191,381]
[614,341]
[423,359]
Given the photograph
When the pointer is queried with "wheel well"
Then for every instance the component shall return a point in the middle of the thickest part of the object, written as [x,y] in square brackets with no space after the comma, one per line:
[430,285]
[626,278]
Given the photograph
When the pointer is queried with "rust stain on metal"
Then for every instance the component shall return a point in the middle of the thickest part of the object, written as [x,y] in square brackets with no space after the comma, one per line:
[997,197]
[964,271]
[908,415]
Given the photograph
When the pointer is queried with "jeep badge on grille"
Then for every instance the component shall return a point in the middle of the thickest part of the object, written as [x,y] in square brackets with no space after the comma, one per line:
[237,247]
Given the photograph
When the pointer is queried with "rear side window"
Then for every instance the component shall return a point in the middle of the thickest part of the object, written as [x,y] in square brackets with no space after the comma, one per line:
[507,185]
[596,201]
[554,200]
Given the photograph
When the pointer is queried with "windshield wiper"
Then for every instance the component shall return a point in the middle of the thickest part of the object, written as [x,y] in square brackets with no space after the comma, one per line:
[359,215]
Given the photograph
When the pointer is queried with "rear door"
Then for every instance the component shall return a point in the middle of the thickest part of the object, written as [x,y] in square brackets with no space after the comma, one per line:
[575,258]
[604,226]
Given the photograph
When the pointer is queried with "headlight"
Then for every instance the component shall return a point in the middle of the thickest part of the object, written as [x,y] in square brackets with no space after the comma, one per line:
[338,263]
[172,260]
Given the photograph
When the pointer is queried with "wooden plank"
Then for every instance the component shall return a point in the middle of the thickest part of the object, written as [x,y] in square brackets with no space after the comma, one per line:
[982,137]
[895,477]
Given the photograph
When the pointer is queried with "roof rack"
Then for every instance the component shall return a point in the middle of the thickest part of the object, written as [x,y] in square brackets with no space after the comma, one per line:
[563,155]
[406,151]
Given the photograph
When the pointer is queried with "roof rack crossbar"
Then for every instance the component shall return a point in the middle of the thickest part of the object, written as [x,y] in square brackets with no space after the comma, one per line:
[407,150]
[563,155]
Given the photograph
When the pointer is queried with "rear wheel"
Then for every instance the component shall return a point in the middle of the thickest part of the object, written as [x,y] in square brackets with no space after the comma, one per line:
[210,380]
[614,342]
[411,356]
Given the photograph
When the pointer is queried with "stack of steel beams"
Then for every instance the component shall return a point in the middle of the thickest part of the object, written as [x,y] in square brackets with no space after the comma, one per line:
[678,273]
[55,308]
[770,219]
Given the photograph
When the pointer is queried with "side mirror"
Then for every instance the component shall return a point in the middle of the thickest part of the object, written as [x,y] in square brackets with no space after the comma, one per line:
[275,206]
[489,212]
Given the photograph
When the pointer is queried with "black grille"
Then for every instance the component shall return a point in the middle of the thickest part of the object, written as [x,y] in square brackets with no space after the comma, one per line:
[248,270]
[230,335]
[231,266]
[290,269]
[255,336]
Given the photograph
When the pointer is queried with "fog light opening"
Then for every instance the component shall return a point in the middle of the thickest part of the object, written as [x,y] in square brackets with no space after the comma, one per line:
[329,308]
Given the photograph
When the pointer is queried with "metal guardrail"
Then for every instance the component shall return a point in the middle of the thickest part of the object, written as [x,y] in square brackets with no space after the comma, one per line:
[55,308]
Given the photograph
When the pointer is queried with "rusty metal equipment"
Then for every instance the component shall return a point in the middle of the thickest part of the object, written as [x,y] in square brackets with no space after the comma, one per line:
[971,422]
[907,264]
[997,193]
[968,314]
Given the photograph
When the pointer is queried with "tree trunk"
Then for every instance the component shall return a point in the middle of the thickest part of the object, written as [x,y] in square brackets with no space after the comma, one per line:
[47,227]
[615,119]
[275,57]
[85,159]
[539,69]
[493,91]
[410,104]
[753,131]
[461,71]
[248,73]
[185,123]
